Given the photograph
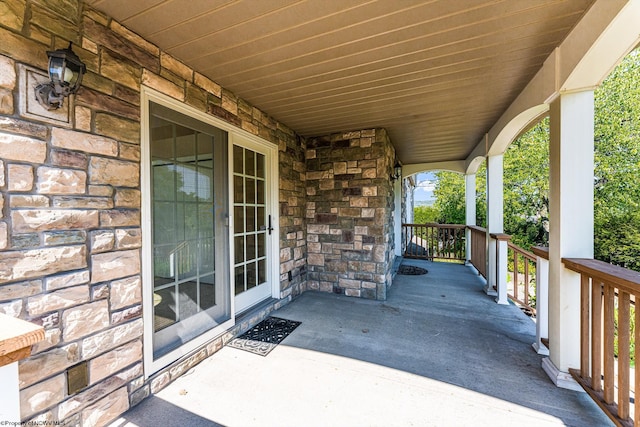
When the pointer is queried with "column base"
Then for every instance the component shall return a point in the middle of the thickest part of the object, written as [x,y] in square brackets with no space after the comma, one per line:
[559,378]
[490,290]
[540,348]
[502,301]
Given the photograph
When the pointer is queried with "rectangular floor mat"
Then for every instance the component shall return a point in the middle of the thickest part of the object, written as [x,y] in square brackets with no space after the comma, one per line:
[265,336]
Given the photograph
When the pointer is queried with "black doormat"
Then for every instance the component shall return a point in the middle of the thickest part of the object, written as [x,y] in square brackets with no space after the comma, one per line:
[265,336]
[411,270]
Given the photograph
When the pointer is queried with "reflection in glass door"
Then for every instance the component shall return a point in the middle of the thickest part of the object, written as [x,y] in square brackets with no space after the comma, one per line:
[252,227]
[189,215]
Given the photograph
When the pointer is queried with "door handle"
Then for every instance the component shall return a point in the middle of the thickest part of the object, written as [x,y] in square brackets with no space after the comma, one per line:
[270,228]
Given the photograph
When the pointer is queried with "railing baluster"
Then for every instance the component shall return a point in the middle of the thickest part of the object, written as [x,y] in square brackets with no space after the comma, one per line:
[515,273]
[596,336]
[609,331]
[526,281]
[414,239]
[433,247]
[584,325]
[428,233]
[623,354]
[445,241]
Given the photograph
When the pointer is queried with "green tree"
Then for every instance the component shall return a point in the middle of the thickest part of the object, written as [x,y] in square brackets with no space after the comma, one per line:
[450,201]
[450,197]
[526,187]
[617,164]
[425,214]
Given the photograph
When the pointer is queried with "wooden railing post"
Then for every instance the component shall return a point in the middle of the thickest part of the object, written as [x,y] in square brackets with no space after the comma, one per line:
[16,338]
[542,299]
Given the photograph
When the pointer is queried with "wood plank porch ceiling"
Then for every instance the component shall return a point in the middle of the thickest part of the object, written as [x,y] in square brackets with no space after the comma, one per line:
[437,74]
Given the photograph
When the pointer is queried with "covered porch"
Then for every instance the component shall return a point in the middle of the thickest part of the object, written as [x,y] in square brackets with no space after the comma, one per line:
[284,133]
[438,351]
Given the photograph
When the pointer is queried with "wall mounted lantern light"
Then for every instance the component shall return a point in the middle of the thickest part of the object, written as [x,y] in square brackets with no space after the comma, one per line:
[397,171]
[65,71]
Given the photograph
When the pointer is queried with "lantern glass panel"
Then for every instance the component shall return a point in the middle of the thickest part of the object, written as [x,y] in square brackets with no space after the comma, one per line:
[56,67]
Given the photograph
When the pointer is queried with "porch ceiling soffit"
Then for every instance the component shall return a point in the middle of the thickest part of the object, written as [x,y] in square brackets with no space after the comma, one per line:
[607,32]
[436,74]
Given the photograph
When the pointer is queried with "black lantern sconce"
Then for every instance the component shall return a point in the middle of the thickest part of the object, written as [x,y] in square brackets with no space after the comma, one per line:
[397,172]
[65,71]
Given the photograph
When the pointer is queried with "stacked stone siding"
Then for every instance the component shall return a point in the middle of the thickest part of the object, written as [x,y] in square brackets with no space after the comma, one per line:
[350,213]
[70,200]
[293,236]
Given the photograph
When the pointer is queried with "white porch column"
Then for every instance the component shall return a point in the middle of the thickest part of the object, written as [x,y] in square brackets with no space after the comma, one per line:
[496,277]
[397,216]
[470,210]
[571,226]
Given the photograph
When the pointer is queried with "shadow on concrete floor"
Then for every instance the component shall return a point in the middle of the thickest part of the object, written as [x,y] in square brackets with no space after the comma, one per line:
[438,352]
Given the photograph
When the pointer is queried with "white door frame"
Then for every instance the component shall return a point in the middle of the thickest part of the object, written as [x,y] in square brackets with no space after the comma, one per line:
[147,94]
[272,189]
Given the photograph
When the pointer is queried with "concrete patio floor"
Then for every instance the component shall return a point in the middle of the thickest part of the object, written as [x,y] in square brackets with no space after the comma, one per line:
[438,352]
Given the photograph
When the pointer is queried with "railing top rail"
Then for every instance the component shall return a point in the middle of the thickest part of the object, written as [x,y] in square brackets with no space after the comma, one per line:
[434,224]
[522,251]
[477,228]
[16,338]
[609,273]
[500,236]
[541,251]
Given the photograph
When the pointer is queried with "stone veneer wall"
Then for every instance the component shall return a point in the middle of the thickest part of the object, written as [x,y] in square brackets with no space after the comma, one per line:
[349,212]
[293,236]
[70,236]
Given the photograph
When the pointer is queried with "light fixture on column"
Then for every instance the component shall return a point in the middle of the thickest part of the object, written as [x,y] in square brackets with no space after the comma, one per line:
[397,172]
[65,71]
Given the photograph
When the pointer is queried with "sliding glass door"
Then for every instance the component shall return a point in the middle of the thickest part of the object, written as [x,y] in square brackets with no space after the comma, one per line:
[189,212]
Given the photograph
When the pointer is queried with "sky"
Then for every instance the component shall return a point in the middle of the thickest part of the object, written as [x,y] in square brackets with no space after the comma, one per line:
[425,183]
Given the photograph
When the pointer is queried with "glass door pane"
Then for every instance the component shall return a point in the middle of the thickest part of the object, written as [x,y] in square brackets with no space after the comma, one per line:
[251,226]
[250,222]
[189,193]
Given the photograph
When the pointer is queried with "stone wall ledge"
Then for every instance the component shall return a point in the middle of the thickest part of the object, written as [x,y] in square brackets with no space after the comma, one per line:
[16,338]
